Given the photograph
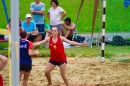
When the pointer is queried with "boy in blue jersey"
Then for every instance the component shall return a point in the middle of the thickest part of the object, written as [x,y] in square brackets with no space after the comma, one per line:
[25,57]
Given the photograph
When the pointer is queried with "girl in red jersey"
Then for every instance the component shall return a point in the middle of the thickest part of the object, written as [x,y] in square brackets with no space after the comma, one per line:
[57,56]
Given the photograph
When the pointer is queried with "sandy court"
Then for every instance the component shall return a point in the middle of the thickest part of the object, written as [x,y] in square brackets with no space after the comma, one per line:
[82,72]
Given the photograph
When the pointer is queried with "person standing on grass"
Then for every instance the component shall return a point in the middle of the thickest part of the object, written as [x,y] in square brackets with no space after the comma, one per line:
[25,57]
[37,9]
[55,15]
[57,54]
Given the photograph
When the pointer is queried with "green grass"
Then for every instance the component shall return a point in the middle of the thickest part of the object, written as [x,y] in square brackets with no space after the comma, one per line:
[111,52]
[117,17]
[3,45]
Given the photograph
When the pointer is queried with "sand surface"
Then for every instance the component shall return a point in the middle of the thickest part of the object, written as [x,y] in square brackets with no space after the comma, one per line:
[81,72]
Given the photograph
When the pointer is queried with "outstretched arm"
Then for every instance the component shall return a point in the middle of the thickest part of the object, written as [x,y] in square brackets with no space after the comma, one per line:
[41,42]
[72,42]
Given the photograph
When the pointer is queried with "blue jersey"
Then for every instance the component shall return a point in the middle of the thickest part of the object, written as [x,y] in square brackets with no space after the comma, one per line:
[25,45]
[29,28]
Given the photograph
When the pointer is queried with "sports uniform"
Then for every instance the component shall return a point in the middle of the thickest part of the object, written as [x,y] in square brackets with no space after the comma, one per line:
[25,59]
[57,56]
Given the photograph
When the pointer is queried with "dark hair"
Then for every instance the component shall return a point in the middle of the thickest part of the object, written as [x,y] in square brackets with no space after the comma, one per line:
[67,19]
[55,1]
[23,34]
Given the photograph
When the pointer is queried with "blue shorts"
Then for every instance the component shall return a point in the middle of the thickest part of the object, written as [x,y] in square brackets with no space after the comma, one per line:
[40,27]
[59,26]
[56,63]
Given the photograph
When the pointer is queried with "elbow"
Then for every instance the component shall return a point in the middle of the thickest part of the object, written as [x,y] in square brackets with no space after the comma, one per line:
[30,53]
[34,45]
[31,12]
[65,14]
[4,59]
[42,13]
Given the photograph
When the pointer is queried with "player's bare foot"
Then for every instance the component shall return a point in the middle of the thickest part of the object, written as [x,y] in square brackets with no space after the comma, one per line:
[49,84]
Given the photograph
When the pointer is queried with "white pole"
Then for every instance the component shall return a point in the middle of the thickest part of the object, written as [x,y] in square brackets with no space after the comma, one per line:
[15,42]
[103,28]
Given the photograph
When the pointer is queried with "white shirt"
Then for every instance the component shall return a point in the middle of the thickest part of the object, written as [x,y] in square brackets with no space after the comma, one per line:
[55,15]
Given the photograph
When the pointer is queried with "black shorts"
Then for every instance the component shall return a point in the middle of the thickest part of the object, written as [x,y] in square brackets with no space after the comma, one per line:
[56,63]
[26,68]
[32,37]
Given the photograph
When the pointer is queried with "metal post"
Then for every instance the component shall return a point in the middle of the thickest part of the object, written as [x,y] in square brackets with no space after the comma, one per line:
[15,42]
[103,28]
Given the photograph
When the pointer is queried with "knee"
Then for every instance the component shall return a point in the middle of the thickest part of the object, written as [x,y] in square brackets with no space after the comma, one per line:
[46,72]
[5,60]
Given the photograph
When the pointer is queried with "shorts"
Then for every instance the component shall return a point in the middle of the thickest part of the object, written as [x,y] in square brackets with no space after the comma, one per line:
[59,26]
[25,67]
[32,37]
[40,27]
[56,63]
